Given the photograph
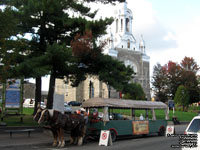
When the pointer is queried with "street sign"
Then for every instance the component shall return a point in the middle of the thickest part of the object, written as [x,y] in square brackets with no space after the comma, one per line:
[170,130]
[105,138]
[13,94]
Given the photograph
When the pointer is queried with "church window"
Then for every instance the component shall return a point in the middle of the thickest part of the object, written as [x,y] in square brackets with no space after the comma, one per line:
[144,83]
[128,44]
[127,25]
[116,25]
[91,89]
[121,24]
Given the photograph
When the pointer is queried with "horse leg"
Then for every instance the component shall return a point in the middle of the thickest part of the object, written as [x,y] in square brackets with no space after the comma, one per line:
[55,136]
[73,135]
[75,140]
[59,137]
[71,140]
[84,131]
[62,137]
[80,140]
[81,134]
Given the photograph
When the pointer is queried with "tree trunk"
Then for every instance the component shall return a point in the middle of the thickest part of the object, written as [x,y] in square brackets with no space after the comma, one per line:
[51,92]
[37,93]
[183,108]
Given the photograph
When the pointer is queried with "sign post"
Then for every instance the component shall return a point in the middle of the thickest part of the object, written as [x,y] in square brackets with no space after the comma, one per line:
[12,99]
[105,138]
[170,130]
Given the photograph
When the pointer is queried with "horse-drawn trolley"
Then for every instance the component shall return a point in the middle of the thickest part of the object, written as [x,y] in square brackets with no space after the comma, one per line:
[107,114]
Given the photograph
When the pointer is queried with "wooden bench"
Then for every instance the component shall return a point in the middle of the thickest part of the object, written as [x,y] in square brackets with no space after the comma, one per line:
[20,131]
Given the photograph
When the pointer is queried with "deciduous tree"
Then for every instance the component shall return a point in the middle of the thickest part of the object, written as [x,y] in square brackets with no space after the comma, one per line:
[175,75]
[182,96]
[134,91]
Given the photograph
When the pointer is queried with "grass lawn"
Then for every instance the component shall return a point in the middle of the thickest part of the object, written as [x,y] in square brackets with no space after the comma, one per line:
[15,120]
[160,114]
[182,116]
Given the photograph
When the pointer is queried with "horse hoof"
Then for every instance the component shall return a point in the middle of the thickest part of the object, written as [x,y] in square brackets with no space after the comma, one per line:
[54,144]
[59,145]
[71,140]
[80,141]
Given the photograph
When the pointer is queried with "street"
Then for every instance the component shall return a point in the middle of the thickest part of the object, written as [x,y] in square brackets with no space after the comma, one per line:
[151,142]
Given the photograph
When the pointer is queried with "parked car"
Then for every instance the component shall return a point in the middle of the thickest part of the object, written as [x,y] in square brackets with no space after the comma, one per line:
[67,108]
[74,103]
[193,129]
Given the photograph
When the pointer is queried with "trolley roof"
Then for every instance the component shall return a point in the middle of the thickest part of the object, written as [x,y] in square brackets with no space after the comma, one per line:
[122,103]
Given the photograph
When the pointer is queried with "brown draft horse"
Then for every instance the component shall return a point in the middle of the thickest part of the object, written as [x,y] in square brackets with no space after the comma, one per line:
[58,123]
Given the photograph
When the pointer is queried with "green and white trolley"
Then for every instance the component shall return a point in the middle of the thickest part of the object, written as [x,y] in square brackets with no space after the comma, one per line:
[120,125]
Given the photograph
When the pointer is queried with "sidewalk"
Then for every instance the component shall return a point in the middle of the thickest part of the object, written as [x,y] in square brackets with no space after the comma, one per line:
[18,139]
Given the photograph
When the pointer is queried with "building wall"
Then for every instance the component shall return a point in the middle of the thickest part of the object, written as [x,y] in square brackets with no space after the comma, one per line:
[81,92]
[142,74]
[29,90]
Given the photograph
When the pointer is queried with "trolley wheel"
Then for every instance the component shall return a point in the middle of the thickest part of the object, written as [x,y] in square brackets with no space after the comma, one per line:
[161,131]
[113,135]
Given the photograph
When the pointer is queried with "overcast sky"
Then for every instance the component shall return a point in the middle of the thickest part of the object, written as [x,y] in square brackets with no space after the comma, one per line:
[170,28]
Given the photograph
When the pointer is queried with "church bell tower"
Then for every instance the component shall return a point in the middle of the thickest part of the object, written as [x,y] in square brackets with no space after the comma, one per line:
[123,28]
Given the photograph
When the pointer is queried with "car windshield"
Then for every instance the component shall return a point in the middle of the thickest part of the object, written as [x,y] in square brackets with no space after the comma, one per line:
[195,126]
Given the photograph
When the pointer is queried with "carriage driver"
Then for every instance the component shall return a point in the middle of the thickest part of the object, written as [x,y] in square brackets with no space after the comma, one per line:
[85,114]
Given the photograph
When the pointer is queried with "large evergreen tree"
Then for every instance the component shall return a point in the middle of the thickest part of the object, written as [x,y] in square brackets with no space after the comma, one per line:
[8,31]
[51,26]
[159,82]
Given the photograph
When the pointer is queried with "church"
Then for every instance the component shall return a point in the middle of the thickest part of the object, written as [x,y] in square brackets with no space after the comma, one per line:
[122,46]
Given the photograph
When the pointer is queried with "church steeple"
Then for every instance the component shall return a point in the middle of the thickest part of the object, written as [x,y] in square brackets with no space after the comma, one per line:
[125,18]
[142,45]
[123,37]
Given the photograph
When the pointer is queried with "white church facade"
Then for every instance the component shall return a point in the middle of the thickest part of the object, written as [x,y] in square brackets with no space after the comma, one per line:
[122,46]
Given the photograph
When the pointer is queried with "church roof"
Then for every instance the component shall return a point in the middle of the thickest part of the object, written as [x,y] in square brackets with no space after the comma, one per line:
[122,103]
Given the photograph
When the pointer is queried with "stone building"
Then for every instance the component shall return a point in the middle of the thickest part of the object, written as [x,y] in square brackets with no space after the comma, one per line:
[122,46]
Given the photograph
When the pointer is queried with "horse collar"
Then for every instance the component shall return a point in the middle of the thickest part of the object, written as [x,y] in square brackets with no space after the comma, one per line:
[51,111]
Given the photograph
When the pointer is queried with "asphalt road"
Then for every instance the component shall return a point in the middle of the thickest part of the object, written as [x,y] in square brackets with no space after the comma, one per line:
[152,142]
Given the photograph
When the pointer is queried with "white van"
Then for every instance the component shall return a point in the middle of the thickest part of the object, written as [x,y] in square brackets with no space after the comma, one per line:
[193,132]
[29,103]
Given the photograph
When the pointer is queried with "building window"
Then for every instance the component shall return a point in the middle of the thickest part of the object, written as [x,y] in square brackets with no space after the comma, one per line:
[116,25]
[127,25]
[91,89]
[121,24]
